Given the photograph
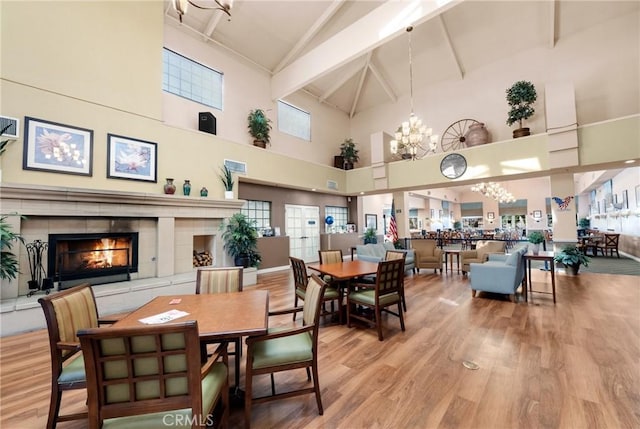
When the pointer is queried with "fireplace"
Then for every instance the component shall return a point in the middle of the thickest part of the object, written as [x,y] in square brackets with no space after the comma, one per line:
[93,257]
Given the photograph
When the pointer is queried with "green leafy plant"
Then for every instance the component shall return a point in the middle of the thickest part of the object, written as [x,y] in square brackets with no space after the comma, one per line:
[8,259]
[226,178]
[259,126]
[535,237]
[4,143]
[520,97]
[457,225]
[349,152]
[584,223]
[240,240]
[570,255]
[370,236]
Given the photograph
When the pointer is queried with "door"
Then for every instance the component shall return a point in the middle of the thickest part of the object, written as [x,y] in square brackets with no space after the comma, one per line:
[303,228]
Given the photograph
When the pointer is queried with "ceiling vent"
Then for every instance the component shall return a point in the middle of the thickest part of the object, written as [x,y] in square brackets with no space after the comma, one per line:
[236,166]
[332,185]
[13,132]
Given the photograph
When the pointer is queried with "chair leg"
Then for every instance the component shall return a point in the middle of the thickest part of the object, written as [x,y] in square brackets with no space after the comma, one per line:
[273,385]
[379,322]
[308,374]
[54,406]
[316,385]
[247,394]
[473,293]
[295,304]
[401,317]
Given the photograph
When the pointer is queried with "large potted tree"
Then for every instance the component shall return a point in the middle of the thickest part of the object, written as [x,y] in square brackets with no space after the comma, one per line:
[520,97]
[349,153]
[259,127]
[241,240]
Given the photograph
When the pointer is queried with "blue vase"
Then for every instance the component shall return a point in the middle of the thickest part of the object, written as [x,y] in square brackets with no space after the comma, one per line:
[186,188]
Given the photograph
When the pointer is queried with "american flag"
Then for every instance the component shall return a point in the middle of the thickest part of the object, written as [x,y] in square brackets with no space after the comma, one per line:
[393,226]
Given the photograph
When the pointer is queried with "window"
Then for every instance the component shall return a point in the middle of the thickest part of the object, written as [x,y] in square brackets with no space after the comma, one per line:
[186,78]
[258,211]
[294,121]
[339,215]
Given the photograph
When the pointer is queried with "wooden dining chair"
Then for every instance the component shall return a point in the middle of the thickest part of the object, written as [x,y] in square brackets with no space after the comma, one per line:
[379,297]
[65,313]
[222,280]
[329,256]
[301,280]
[152,377]
[393,255]
[608,244]
[285,349]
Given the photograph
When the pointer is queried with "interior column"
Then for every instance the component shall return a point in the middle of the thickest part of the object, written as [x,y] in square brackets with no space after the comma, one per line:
[563,209]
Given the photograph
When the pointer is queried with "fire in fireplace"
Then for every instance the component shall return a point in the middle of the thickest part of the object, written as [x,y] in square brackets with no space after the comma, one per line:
[93,256]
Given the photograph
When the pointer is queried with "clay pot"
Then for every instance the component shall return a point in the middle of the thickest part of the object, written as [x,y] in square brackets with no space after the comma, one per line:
[476,135]
[521,132]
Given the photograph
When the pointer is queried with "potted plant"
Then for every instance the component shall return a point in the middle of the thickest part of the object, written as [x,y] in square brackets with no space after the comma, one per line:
[259,127]
[370,236]
[457,225]
[535,238]
[571,257]
[520,97]
[240,240]
[584,223]
[349,153]
[8,259]
[227,181]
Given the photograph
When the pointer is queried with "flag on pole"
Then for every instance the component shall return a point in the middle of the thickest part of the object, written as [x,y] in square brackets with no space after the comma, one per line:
[393,226]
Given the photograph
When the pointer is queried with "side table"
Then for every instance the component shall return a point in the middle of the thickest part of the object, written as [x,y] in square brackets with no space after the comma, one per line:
[541,256]
[448,259]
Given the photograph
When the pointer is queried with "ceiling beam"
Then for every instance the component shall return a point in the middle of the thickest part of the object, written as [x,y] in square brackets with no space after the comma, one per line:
[383,82]
[360,84]
[553,11]
[211,26]
[376,28]
[452,50]
[311,32]
[344,77]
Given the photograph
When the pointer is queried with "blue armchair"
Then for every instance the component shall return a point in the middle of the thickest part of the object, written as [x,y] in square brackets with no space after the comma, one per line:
[502,273]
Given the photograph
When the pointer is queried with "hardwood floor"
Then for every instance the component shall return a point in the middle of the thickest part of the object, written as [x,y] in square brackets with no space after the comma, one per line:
[575,364]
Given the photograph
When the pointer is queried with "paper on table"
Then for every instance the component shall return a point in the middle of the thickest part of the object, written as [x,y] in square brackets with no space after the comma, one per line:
[167,316]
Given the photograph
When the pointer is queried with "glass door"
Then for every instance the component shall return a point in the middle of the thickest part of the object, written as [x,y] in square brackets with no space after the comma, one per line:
[303,228]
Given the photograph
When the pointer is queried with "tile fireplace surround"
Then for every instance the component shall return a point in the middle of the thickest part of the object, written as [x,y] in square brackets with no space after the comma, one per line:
[170,228]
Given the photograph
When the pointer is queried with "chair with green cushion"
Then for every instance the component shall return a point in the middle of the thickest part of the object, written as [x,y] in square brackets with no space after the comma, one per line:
[222,280]
[152,377]
[284,349]
[385,293]
[66,312]
[300,281]
[390,256]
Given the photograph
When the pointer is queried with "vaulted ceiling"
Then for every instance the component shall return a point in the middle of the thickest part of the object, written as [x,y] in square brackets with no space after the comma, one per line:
[353,54]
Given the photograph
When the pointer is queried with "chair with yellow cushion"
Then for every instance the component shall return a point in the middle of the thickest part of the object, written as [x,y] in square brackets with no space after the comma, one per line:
[152,377]
[427,255]
[222,280]
[287,348]
[66,312]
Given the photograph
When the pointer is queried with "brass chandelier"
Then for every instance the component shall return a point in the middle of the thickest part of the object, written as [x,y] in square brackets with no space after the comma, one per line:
[181,6]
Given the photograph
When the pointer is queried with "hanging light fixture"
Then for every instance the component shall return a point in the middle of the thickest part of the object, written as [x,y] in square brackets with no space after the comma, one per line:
[495,191]
[181,6]
[409,141]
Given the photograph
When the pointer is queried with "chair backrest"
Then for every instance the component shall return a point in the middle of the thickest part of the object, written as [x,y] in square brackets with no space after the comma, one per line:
[142,370]
[330,256]
[389,277]
[395,254]
[219,280]
[425,247]
[313,301]
[300,276]
[66,312]
[611,240]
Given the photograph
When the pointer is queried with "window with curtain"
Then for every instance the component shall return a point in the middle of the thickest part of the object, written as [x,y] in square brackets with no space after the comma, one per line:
[294,121]
[189,79]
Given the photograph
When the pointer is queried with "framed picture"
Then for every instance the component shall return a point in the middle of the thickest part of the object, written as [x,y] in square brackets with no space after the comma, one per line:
[351,227]
[49,146]
[371,221]
[537,214]
[491,215]
[132,159]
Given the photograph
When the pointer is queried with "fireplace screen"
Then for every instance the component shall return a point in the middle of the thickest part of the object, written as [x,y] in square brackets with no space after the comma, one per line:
[87,256]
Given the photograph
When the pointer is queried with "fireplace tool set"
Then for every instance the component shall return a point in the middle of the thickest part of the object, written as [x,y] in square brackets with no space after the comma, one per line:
[38,281]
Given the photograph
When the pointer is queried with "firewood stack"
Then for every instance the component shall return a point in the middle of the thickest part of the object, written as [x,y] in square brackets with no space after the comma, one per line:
[202,259]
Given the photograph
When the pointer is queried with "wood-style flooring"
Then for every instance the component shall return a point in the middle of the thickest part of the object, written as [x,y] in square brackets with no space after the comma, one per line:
[575,364]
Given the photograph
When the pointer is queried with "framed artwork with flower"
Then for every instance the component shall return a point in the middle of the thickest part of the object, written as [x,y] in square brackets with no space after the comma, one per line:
[59,148]
[132,159]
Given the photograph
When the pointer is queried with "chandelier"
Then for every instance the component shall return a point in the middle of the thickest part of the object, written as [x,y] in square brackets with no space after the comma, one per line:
[409,137]
[495,191]
[181,6]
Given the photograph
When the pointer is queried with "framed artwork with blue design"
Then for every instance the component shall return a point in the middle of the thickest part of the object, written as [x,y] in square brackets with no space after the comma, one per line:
[58,148]
[131,159]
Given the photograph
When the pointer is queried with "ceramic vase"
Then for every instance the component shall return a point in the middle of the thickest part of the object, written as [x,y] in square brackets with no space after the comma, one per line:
[476,135]
[204,192]
[186,188]
[169,187]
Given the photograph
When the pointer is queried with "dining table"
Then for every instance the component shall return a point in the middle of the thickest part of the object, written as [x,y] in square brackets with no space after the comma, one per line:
[346,270]
[220,316]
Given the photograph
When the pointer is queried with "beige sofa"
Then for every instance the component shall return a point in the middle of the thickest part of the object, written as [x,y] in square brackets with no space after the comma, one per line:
[480,254]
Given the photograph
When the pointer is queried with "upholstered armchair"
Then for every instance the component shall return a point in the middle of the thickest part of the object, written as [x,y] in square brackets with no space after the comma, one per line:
[480,254]
[500,274]
[427,254]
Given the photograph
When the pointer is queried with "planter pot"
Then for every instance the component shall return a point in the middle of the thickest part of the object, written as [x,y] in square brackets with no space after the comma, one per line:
[477,135]
[373,240]
[535,248]
[241,261]
[260,143]
[573,269]
[228,195]
[348,165]
[338,162]
[521,132]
